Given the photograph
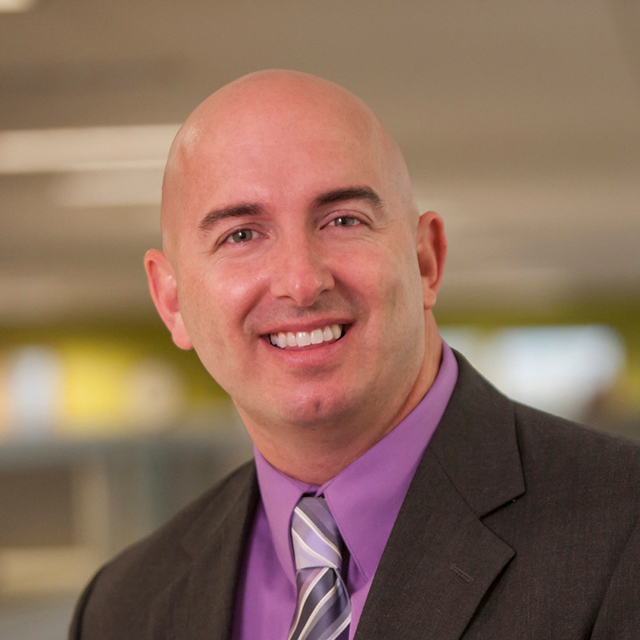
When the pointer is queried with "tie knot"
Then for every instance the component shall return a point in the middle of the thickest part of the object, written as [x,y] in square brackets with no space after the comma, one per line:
[315,535]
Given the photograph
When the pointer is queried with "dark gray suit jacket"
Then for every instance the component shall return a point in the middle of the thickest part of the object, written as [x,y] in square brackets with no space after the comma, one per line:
[517,525]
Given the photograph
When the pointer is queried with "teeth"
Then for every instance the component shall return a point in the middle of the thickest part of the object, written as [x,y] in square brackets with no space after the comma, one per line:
[306,338]
[303,339]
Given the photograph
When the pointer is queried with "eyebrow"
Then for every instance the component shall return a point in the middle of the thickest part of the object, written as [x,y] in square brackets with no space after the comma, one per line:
[234,211]
[349,193]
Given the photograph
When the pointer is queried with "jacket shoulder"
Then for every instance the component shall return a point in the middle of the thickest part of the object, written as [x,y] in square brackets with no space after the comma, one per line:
[119,601]
[206,510]
[566,452]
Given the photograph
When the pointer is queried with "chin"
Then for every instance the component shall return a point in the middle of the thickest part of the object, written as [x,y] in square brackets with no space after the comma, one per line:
[322,412]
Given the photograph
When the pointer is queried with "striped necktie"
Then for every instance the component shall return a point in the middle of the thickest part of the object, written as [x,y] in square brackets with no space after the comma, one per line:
[323,610]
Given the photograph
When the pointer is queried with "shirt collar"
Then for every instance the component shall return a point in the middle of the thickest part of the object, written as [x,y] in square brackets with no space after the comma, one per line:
[366,496]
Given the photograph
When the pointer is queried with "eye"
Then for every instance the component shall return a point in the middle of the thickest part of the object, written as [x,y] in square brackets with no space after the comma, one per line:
[239,236]
[345,221]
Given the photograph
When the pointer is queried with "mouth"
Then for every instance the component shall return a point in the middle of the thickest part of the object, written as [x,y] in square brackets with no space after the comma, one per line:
[308,339]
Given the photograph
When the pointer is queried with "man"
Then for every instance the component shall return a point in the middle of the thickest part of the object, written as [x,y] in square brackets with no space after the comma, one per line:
[295,263]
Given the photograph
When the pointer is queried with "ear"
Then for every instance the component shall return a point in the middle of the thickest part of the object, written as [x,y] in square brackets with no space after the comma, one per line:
[164,292]
[431,245]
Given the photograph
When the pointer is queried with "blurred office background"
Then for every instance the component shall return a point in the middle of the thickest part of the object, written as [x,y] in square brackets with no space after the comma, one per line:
[521,125]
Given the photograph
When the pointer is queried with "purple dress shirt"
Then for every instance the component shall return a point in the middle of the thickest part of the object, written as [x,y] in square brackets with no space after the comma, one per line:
[364,498]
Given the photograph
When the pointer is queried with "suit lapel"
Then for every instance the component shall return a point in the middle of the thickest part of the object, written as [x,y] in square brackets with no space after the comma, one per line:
[441,559]
[202,600]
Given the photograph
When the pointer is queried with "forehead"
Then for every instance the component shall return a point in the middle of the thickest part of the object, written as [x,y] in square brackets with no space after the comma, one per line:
[284,155]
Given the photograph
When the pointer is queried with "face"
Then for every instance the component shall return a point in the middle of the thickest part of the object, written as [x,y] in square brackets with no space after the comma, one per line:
[295,273]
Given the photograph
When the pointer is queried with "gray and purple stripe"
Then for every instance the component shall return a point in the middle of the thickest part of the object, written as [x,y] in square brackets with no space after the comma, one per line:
[323,610]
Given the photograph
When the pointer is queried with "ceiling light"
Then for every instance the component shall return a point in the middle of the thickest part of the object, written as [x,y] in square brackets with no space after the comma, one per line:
[15,6]
[108,188]
[85,149]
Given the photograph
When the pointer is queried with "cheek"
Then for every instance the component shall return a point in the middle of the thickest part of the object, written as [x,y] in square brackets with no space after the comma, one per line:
[401,301]
[215,304]
[393,279]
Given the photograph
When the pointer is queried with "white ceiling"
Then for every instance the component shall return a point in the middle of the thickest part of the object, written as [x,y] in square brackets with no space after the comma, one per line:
[520,122]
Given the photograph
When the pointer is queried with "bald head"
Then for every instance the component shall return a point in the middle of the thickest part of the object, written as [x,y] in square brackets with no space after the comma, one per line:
[295,263]
[272,106]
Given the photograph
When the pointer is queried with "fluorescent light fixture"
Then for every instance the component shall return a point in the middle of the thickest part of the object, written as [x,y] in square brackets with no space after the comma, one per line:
[85,149]
[16,6]
[108,188]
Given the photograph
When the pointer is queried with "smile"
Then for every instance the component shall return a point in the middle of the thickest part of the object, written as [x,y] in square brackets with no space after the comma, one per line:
[285,339]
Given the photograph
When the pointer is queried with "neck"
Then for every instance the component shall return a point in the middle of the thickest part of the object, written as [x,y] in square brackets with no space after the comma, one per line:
[315,455]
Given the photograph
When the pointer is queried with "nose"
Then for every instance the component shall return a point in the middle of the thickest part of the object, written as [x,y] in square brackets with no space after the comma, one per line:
[300,272]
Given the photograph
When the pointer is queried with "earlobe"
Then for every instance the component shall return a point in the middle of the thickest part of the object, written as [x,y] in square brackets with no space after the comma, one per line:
[164,292]
[431,244]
